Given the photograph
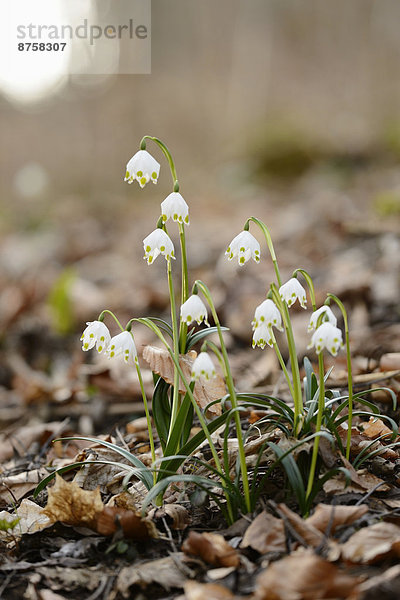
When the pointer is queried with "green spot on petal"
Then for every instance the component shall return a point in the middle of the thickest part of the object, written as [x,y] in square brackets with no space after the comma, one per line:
[139,173]
[154,175]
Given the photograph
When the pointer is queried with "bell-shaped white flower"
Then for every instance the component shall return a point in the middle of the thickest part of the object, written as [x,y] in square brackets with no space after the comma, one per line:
[203,366]
[142,167]
[194,309]
[96,333]
[244,246]
[291,291]
[327,336]
[158,242]
[124,346]
[328,316]
[174,207]
[267,313]
[262,335]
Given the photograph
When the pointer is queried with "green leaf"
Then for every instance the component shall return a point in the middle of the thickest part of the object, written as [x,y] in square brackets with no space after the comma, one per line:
[163,325]
[146,477]
[161,410]
[193,338]
[173,464]
[78,465]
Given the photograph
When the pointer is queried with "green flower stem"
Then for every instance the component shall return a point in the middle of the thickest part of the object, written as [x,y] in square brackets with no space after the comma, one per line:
[185,286]
[166,153]
[175,398]
[283,366]
[196,407]
[349,370]
[270,245]
[148,419]
[232,393]
[109,312]
[297,393]
[321,408]
[310,285]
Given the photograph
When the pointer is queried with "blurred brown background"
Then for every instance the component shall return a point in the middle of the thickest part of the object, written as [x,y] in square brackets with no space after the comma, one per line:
[286,109]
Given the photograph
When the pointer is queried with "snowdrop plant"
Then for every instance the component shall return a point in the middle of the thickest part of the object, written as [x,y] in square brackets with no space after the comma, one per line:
[173,409]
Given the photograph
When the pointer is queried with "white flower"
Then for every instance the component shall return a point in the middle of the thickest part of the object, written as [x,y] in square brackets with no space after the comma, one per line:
[123,345]
[157,243]
[327,336]
[327,316]
[262,335]
[244,246]
[267,313]
[174,207]
[95,333]
[142,167]
[203,366]
[194,309]
[291,291]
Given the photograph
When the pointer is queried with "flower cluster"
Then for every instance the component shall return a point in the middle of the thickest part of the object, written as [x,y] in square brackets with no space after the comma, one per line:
[123,345]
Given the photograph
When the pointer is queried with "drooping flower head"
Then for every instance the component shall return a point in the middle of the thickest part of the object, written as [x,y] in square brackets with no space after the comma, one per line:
[327,336]
[158,242]
[194,309]
[142,167]
[328,316]
[123,345]
[267,313]
[203,366]
[174,207]
[96,333]
[291,291]
[262,335]
[244,246]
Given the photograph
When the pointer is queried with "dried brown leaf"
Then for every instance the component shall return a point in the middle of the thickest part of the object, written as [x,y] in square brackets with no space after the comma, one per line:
[212,548]
[265,534]
[166,572]
[372,544]
[384,585]
[205,391]
[327,518]
[72,505]
[311,535]
[133,526]
[176,515]
[31,519]
[211,591]
[375,428]
[16,487]
[303,576]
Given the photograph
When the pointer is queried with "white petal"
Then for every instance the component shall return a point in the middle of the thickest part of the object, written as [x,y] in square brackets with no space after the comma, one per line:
[158,242]
[123,345]
[262,335]
[327,336]
[203,366]
[267,313]
[291,291]
[174,207]
[244,246]
[194,309]
[328,316]
[142,167]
